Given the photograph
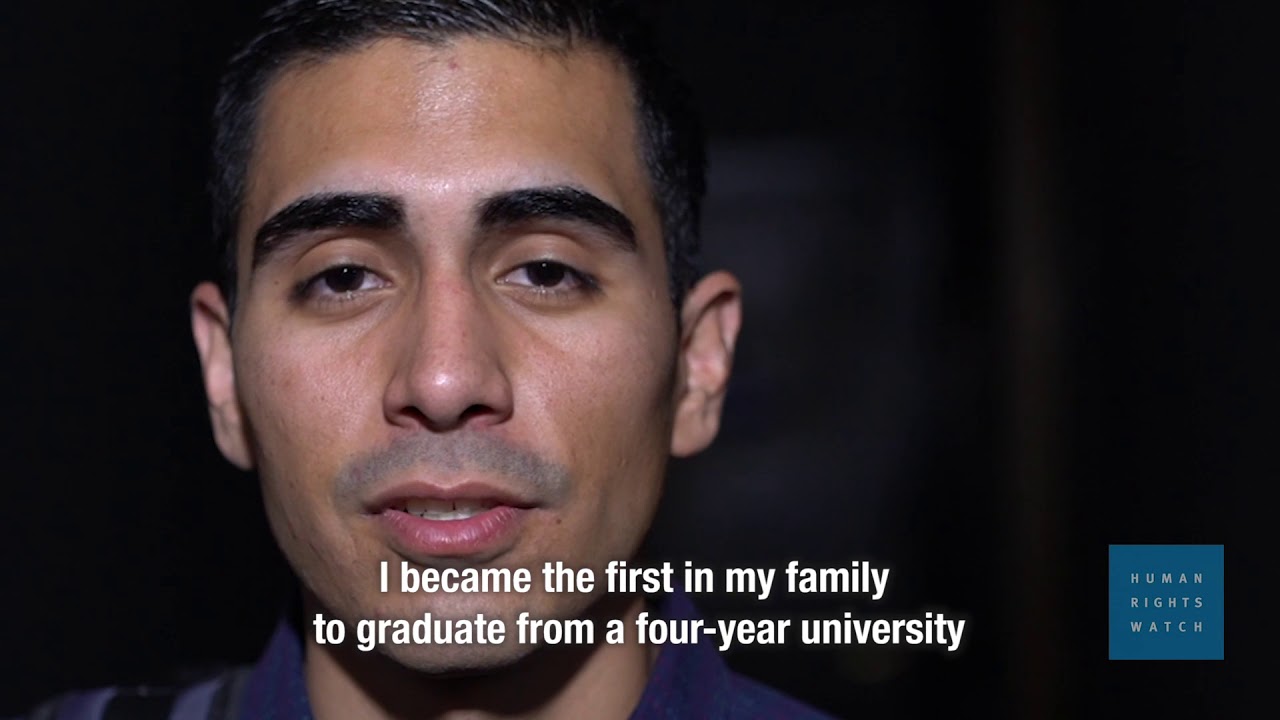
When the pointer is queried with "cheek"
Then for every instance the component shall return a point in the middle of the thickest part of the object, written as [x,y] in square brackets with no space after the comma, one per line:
[606,397]
[305,402]
[310,386]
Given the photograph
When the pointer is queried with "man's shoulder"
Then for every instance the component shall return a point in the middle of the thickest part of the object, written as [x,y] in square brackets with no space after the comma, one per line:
[752,699]
[693,680]
[213,697]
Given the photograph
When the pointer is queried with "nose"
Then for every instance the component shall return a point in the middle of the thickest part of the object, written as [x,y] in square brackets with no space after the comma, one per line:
[450,371]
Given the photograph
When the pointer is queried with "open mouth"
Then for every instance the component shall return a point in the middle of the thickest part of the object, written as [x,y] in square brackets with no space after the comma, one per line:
[424,522]
[445,509]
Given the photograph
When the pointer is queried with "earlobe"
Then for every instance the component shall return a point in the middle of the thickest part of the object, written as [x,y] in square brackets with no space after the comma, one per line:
[211,329]
[711,318]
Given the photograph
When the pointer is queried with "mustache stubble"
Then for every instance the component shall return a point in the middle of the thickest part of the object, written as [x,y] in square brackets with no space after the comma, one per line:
[527,472]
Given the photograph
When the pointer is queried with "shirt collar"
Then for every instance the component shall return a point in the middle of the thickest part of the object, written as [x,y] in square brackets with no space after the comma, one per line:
[686,681]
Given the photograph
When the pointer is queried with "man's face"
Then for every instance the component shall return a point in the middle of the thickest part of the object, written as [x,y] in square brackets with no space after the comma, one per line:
[453,343]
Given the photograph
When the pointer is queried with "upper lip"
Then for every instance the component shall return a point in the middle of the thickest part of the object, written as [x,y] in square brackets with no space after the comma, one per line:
[396,496]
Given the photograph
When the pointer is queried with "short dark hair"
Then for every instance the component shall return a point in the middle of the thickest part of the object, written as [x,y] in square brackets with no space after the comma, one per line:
[671,140]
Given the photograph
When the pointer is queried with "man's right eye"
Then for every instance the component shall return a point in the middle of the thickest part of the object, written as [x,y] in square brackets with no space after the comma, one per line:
[339,283]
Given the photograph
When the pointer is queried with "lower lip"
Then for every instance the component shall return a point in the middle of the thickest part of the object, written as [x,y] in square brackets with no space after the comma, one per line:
[486,533]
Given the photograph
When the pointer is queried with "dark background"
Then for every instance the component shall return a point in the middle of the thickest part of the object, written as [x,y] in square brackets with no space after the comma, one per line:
[1009,300]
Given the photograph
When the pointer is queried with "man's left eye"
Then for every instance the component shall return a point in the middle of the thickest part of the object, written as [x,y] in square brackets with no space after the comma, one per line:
[548,276]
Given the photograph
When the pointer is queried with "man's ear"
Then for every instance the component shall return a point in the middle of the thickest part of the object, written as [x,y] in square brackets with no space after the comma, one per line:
[710,319]
[211,327]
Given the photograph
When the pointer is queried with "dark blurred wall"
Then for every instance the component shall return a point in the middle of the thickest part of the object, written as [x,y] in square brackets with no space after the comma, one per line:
[1168,182]
[1006,303]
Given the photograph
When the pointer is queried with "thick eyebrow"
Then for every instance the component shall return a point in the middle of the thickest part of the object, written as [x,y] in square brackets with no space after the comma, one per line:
[562,202]
[325,211]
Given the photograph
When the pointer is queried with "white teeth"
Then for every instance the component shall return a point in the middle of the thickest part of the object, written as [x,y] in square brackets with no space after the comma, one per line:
[446,509]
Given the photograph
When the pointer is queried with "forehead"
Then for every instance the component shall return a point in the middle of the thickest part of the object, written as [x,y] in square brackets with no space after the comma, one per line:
[450,121]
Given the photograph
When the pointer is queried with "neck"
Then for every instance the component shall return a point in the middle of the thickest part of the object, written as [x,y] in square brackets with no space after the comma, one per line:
[601,680]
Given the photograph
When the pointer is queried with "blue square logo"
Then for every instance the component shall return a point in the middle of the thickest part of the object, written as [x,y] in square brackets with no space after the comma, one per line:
[1166,602]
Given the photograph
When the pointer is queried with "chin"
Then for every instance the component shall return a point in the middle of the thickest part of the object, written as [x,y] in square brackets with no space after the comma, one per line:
[443,658]
[451,661]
